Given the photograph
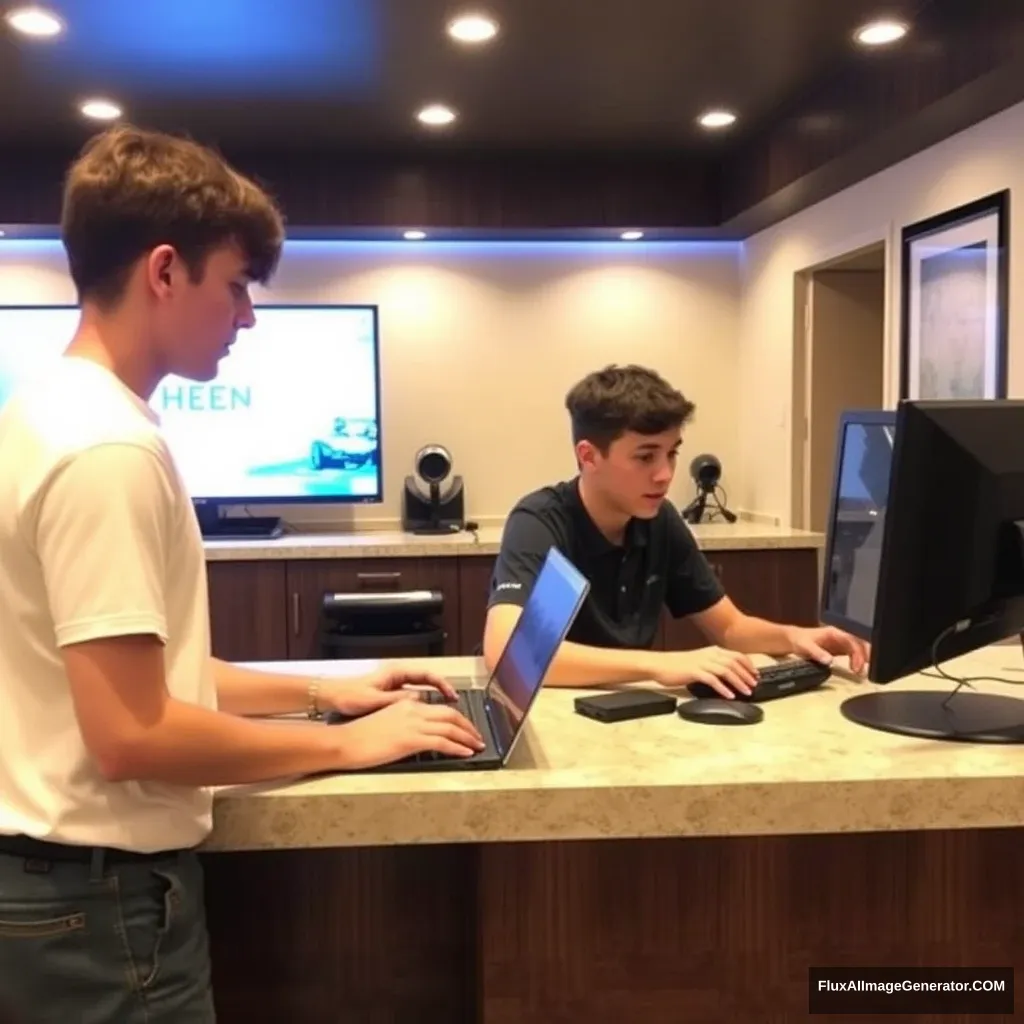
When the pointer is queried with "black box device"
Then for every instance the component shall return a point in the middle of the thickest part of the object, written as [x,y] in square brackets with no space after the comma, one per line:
[625,704]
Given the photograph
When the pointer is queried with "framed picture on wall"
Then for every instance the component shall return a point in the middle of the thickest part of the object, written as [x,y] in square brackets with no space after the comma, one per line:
[954,302]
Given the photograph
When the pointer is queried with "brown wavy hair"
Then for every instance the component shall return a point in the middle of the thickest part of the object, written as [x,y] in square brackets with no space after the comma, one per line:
[131,190]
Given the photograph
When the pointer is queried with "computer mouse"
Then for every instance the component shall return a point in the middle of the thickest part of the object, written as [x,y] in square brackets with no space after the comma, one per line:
[719,711]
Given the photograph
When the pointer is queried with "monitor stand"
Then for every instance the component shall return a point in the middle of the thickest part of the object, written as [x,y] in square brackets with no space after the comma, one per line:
[215,526]
[434,527]
[967,717]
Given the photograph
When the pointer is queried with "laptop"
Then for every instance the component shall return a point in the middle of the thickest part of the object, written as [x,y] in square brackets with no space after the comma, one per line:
[499,709]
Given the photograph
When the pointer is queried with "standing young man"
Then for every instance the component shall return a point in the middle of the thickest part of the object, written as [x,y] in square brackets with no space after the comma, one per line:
[613,522]
[114,719]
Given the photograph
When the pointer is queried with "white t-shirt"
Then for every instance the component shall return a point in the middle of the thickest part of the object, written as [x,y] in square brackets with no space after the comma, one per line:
[98,538]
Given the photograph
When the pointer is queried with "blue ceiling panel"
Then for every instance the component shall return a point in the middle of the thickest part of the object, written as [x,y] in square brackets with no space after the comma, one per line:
[277,47]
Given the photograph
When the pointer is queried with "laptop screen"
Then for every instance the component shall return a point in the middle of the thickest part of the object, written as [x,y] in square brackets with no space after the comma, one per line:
[547,615]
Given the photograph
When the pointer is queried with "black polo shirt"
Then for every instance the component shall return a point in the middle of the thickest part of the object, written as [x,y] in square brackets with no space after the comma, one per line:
[658,565]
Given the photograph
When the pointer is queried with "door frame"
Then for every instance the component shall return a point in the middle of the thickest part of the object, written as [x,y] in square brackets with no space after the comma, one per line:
[830,259]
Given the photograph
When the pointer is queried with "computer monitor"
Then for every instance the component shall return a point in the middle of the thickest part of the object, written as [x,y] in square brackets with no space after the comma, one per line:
[293,415]
[860,492]
[943,557]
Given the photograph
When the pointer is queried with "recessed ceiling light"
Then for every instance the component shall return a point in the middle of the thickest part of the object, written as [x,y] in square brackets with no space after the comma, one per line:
[414,236]
[473,28]
[880,33]
[717,119]
[101,110]
[35,21]
[631,236]
[436,115]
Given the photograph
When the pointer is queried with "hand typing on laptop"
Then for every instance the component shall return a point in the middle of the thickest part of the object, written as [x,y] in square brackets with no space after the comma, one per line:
[402,729]
[481,731]
[360,695]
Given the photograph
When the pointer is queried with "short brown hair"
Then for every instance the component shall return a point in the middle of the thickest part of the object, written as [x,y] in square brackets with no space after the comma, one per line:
[131,190]
[609,402]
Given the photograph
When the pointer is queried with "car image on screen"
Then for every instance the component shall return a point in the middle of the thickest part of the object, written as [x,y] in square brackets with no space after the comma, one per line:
[351,444]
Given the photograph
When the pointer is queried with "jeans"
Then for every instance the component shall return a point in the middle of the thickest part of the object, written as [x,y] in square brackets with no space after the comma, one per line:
[122,943]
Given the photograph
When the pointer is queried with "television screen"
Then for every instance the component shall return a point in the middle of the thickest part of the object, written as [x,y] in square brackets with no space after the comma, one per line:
[293,414]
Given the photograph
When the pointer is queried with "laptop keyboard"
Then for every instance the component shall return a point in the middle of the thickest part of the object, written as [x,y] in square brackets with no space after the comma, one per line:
[437,697]
[461,704]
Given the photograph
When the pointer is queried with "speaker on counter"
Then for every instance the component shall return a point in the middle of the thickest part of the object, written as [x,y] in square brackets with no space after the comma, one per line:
[426,508]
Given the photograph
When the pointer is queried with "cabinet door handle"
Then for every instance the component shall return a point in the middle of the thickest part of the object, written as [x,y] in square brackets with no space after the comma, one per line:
[296,614]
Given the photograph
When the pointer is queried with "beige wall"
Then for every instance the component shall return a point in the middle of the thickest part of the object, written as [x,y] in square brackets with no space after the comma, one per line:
[984,159]
[480,344]
[462,326]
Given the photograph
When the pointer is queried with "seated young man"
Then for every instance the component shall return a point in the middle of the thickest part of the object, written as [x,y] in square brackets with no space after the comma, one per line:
[614,523]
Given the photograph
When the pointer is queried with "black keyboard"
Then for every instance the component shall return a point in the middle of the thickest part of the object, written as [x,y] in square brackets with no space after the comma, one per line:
[461,704]
[436,697]
[783,679]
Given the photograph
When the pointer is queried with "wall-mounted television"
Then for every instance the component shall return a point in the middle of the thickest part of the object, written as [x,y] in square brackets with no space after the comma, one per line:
[293,415]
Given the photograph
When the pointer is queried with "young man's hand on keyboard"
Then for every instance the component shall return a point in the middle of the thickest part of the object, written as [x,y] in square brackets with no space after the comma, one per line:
[726,672]
[823,643]
[360,695]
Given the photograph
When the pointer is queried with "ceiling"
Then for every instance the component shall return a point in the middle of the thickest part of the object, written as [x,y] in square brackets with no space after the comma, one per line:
[592,82]
[306,73]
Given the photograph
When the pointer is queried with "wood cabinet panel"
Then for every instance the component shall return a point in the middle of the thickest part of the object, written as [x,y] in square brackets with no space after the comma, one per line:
[268,610]
[751,579]
[374,936]
[798,587]
[308,581]
[780,585]
[248,611]
[712,930]
[474,587]
[699,930]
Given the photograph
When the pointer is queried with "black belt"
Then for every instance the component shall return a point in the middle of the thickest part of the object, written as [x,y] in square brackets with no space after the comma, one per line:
[42,850]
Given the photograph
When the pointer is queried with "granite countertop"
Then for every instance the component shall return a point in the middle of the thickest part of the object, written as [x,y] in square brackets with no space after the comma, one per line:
[803,769]
[486,541]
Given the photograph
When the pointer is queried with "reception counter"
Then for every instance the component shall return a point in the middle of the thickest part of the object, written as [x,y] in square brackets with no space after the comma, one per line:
[654,870]
[739,536]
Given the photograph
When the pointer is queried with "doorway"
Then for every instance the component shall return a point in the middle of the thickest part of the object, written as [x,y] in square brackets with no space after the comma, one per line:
[839,364]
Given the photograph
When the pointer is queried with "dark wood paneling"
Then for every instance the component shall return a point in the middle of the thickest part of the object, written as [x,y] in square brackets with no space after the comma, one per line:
[378,936]
[308,581]
[673,931]
[462,190]
[779,585]
[715,931]
[798,587]
[509,191]
[474,589]
[751,579]
[268,610]
[248,613]
[960,64]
